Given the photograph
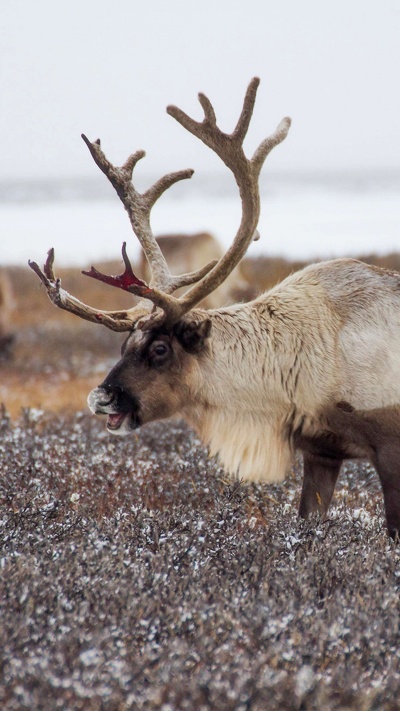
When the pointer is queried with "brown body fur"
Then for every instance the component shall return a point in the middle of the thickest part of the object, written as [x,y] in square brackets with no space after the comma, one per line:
[344,433]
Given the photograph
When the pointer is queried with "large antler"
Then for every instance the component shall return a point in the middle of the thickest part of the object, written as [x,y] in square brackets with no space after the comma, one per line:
[229,147]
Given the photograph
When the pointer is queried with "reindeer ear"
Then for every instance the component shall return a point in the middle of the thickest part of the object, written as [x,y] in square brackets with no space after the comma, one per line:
[193,334]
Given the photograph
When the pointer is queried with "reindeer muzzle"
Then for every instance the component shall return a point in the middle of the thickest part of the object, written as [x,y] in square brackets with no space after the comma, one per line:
[122,410]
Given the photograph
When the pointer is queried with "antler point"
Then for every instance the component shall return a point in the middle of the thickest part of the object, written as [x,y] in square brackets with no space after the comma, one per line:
[89,143]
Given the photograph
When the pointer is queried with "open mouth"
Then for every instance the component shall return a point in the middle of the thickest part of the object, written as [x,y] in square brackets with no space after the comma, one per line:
[122,410]
[114,422]
[129,420]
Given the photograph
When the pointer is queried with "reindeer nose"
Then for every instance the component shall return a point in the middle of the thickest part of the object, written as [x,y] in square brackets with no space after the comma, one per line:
[98,399]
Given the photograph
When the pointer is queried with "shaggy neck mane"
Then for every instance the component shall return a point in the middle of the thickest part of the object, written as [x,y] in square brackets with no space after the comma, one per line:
[227,402]
[247,448]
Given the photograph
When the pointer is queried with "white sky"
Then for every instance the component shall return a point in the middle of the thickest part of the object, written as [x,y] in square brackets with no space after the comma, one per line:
[109,69]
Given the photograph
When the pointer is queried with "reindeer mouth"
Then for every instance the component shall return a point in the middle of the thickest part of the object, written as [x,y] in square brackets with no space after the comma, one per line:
[122,410]
[114,422]
[125,421]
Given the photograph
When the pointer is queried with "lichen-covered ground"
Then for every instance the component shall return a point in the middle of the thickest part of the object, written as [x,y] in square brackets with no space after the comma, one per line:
[134,576]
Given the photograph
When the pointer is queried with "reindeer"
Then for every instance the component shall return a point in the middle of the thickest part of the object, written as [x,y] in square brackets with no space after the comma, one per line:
[260,273]
[247,376]
[7,338]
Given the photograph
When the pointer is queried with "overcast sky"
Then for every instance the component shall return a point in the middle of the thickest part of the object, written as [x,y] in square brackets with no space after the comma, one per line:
[109,69]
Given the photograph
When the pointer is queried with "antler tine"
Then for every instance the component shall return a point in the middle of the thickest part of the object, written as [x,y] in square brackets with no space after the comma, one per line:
[209,113]
[114,320]
[107,168]
[156,190]
[193,277]
[243,123]
[269,143]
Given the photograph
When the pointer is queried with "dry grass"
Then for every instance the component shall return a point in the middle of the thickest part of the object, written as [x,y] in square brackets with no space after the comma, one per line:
[43,392]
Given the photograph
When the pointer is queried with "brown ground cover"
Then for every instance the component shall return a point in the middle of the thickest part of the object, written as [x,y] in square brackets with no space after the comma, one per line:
[133,575]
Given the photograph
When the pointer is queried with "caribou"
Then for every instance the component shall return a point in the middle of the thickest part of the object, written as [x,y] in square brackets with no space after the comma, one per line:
[7,338]
[255,380]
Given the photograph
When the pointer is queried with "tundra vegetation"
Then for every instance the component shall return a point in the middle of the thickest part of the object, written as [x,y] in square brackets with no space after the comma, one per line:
[134,574]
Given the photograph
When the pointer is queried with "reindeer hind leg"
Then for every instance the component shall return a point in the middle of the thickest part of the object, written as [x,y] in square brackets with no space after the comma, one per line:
[319,480]
[388,467]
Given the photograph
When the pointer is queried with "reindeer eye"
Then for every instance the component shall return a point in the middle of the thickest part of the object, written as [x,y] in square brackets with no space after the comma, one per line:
[159,350]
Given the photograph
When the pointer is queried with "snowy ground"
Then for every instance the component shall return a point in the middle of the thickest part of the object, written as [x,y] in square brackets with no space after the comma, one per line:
[302,218]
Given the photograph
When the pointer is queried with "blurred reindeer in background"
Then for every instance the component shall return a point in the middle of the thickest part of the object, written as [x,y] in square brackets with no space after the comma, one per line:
[253,379]
[7,338]
[188,253]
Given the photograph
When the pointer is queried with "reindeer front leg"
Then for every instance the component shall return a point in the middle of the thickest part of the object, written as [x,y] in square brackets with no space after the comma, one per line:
[319,480]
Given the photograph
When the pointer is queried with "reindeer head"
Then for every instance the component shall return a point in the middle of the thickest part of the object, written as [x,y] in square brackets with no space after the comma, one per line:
[152,378]
[155,377]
